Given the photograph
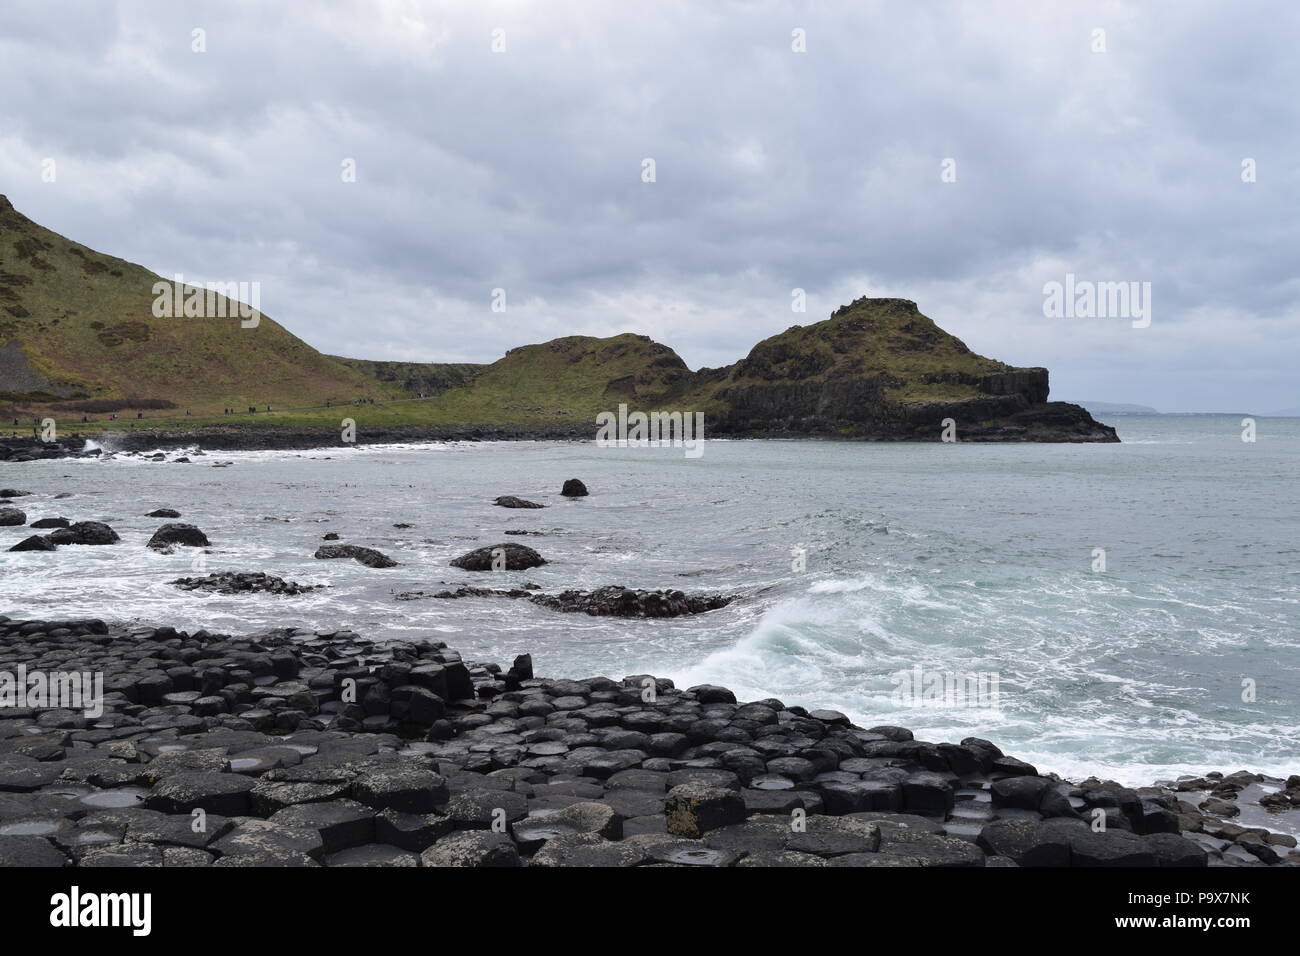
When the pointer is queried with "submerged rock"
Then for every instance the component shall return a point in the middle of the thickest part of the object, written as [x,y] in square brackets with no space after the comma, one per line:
[610,601]
[51,523]
[367,556]
[510,501]
[234,582]
[617,601]
[10,517]
[164,513]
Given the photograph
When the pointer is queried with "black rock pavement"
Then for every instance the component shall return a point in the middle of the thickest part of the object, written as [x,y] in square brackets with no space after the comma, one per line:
[301,748]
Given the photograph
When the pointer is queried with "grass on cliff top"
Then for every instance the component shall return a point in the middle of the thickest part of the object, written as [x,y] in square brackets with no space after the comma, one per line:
[870,338]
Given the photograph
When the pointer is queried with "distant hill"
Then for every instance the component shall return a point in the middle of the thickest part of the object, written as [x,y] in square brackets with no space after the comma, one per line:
[78,337]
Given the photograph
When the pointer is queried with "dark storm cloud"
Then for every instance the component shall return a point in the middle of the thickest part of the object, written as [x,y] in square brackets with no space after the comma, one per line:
[775,170]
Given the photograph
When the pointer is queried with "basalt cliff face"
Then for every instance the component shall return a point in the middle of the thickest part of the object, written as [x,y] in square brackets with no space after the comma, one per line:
[878,368]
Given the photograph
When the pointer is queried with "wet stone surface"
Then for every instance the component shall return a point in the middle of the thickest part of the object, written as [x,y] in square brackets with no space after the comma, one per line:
[299,748]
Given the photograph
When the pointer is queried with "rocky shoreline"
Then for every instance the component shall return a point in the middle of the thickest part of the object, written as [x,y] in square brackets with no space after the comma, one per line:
[300,748]
[261,437]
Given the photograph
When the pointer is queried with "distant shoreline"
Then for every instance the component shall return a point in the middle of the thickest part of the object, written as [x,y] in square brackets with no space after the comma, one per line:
[267,437]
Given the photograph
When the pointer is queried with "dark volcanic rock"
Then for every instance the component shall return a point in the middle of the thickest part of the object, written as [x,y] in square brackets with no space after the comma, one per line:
[510,501]
[85,532]
[573,488]
[178,533]
[307,748]
[51,523]
[695,808]
[616,601]
[34,543]
[367,556]
[516,557]
[234,582]
[11,517]
[164,513]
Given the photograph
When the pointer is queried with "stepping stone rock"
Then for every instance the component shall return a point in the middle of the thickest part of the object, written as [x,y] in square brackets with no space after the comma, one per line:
[28,851]
[267,838]
[411,831]
[835,836]
[590,849]
[373,854]
[1026,842]
[1170,849]
[481,809]
[405,788]
[475,848]
[221,793]
[340,823]
[1109,848]
[695,808]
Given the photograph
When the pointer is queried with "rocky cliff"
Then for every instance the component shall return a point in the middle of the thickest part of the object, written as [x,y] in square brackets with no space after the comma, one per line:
[878,368]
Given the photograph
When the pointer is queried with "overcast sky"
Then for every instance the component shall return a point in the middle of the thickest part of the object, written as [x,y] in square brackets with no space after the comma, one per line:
[774,170]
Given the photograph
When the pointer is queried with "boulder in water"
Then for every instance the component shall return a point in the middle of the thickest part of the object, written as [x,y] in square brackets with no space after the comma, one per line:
[10,517]
[84,532]
[178,533]
[367,556]
[164,513]
[51,523]
[616,601]
[510,501]
[573,488]
[35,543]
[515,557]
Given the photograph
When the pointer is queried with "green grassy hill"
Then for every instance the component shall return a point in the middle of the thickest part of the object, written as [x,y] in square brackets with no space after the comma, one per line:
[879,339]
[78,336]
[78,325]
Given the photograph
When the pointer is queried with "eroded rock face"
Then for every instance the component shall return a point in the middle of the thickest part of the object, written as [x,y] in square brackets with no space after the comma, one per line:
[178,533]
[508,557]
[367,556]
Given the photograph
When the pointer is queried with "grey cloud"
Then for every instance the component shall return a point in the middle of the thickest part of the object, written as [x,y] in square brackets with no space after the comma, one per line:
[775,169]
